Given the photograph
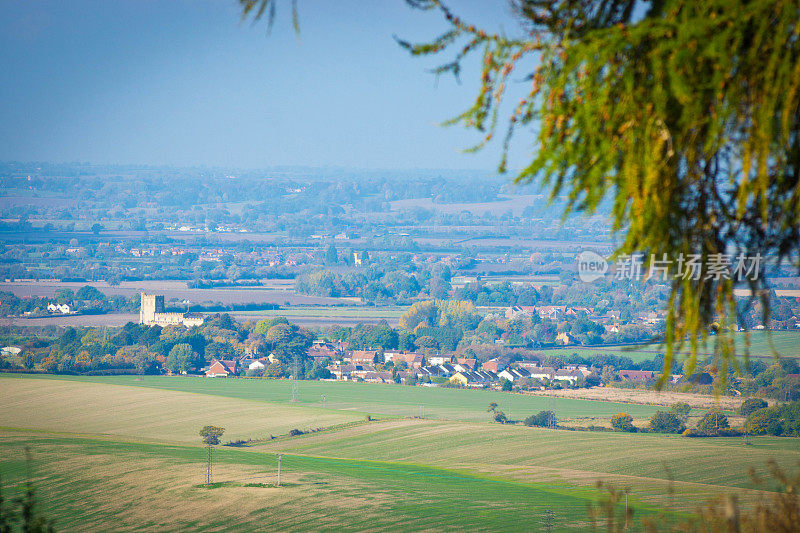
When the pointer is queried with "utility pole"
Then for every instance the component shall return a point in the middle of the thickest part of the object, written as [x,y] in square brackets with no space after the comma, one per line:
[295,376]
[280,456]
[208,464]
[547,520]
[626,509]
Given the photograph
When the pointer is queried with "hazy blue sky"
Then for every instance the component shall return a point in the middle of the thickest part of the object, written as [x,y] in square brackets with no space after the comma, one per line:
[186,83]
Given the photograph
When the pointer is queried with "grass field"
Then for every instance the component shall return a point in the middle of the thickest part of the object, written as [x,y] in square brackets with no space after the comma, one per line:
[376,399]
[643,462]
[91,484]
[113,450]
[151,414]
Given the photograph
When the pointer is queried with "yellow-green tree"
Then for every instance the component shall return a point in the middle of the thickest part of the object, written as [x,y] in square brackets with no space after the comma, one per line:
[685,115]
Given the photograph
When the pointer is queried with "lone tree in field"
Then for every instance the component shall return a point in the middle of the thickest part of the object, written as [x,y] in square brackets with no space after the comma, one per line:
[683,115]
[211,435]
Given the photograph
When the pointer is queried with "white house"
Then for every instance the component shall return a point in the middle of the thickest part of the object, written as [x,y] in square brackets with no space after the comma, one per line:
[64,309]
[513,374]
[257,365]
[438,359]
[568,375]
[542,372]
[389,356]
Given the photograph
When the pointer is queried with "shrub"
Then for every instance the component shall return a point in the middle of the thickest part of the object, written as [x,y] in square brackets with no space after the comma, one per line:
[727,432]
[666,422]
[238,443]
[751,405]
[623,422]
[541,419]
[500,417]
[713,421]
[681,410]
[765,421]
[295,432]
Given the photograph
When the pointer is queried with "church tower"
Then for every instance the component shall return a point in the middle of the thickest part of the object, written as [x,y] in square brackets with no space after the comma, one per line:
[150,305]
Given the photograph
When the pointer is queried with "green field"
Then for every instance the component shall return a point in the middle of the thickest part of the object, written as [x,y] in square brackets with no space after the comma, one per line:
[116,453]
[151,414]
[378,399]
[91,484]
[536,453]
[763,345]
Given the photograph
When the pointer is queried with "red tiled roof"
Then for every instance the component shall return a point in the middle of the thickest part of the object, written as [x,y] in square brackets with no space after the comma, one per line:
[636,375]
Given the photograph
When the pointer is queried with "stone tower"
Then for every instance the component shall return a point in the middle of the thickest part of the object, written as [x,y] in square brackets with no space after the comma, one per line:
[150,305]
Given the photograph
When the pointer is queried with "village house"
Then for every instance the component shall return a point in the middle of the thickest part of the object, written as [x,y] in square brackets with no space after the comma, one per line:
[513,374]
[492,365]
[436,371]
[575,311]
[572,376]
[341,372]
[478,378]
[322,350]
[543,373]
[361,357]
[519,310]
[221,368]
[565,338]
[439,359]
[389,356]
[582,368]
[412,360]
[551,312]
[64,309]
[378,377]
[467,362]
[636,375]
[259,365]
[361,370]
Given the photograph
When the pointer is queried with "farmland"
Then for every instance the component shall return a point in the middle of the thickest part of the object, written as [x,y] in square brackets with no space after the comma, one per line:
[89,483]
[151,414]
[530,454]
[762,343]
[103,448]
[277,291]
[378,399]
